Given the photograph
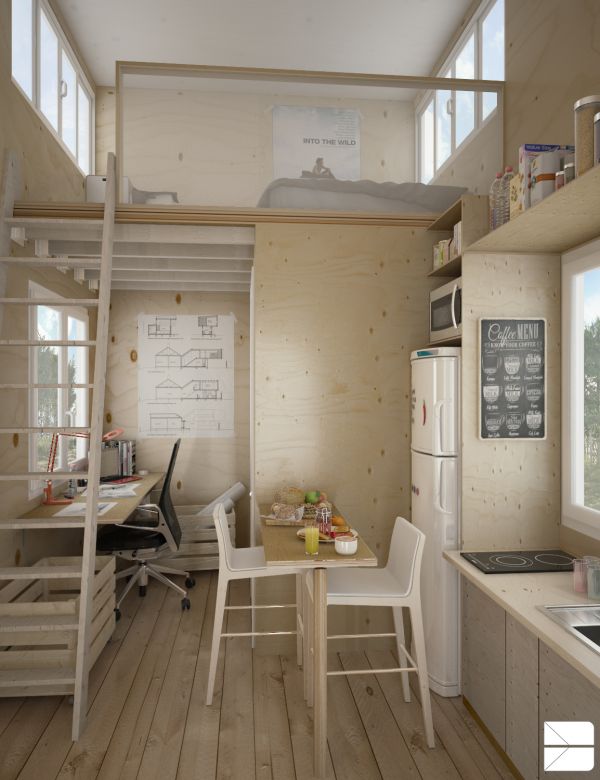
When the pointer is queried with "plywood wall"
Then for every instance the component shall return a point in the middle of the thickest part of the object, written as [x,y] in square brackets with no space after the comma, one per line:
[338,312]
[216,148]
[48,172]
[205,467]
[511,489]
[552,59]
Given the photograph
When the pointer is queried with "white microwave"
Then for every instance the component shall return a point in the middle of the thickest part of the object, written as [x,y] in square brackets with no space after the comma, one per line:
[445,312]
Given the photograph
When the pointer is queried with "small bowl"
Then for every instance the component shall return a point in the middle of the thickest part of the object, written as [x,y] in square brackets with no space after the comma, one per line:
[346,544]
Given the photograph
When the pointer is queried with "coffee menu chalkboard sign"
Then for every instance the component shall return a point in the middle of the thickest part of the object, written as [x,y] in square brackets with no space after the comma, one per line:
[512,387]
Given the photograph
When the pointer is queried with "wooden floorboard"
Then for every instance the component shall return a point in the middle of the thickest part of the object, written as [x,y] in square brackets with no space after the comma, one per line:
[147,717]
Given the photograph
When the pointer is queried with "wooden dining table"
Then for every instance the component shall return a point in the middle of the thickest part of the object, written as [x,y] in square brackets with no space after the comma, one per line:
[283,547]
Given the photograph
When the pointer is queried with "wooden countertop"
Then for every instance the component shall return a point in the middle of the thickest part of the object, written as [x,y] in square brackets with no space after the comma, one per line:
[521,594]
[117,514]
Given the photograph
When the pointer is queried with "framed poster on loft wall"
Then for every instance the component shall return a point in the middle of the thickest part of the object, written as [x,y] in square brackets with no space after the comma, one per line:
[512,378]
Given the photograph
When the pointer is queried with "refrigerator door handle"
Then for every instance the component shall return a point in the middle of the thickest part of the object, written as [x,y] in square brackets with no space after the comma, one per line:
[439,424]
[437,499]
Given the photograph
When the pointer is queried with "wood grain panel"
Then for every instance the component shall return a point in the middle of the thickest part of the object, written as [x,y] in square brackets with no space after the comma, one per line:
[338,312]
[205,467]
[552,59]
[564,695]
[483,658]
[521,697]
[510,489]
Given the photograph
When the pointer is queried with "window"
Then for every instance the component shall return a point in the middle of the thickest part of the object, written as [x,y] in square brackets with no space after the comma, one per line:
[581,389]
[65,366]
[479,54]
[49,75]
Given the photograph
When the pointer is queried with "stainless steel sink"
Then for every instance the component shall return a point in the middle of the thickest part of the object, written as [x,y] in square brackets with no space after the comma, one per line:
[581,620]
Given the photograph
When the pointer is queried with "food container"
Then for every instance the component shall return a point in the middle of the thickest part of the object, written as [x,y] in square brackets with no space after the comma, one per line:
[345,544]
[597,139]
[569,172]
[543,172]
[585,109]
[559,180]
[527,154]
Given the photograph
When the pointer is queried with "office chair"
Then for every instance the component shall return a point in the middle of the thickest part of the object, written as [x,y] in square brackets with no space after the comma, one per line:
[152,532]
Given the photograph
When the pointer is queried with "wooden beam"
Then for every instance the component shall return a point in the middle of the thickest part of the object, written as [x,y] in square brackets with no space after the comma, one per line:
[173,284]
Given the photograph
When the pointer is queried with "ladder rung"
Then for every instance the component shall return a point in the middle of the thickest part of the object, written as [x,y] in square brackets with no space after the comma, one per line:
[51,301]
[66,571]
[46,429]
[39,523]
[19,678]
[10,624]
[45,343]
[44,475]
[63,386]
[53,262]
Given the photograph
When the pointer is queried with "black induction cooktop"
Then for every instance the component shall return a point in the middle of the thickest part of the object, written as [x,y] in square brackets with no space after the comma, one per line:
[514,561]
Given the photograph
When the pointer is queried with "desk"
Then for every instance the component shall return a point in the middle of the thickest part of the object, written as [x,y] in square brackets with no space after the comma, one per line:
[283,548]
[46,514]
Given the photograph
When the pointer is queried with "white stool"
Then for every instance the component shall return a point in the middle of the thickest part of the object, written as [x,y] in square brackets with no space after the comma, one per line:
[239,564]
[397,585]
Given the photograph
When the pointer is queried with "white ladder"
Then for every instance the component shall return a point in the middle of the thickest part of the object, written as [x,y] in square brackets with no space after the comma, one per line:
[79,680]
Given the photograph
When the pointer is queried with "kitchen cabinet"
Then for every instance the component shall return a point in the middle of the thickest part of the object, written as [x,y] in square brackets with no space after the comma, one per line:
[483,659]
[522,698]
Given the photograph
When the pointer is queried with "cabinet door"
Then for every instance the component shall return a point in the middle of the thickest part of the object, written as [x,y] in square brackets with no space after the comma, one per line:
[483,659]
[522,698]
[565,695]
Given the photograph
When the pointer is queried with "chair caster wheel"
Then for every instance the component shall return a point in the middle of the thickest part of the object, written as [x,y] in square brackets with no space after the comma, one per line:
[142,590]
[117,614]
[190,582]
[185,604]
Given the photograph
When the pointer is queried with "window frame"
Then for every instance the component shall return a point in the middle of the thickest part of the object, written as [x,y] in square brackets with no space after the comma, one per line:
[39,6]
[78,312]
[449,66]
[574,514]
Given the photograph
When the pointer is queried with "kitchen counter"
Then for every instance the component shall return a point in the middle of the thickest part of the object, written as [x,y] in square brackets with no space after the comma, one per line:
[520,595]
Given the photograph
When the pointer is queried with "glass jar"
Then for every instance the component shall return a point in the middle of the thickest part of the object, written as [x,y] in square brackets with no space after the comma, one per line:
[585,109]
[323,518]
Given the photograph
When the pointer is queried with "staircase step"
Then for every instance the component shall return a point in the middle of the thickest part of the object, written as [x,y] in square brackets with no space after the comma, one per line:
[68,429]
[20,678]
[40,523]
[45,343]
[52,262]
[44,475]
[11,624]
[66,571]
[88,302]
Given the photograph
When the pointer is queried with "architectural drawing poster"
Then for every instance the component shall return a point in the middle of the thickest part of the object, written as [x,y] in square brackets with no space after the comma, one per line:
[185,375]
[320,141]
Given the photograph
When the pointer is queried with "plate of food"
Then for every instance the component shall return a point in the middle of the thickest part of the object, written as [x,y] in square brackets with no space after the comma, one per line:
[330,539]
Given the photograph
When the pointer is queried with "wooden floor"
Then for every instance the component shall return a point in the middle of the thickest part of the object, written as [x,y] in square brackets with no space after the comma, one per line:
[147,716]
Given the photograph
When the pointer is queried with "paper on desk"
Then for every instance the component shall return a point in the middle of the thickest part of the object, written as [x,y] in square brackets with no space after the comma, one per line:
[78,509]
[115,491]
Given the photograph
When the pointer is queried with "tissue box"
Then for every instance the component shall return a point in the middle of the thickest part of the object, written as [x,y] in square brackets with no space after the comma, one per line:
[527,154]
[543,170]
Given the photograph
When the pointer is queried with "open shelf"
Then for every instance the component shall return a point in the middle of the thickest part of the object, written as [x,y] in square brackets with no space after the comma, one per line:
[565,219]
[450,269]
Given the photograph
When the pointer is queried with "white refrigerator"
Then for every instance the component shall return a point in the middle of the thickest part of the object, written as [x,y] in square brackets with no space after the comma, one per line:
[435,454]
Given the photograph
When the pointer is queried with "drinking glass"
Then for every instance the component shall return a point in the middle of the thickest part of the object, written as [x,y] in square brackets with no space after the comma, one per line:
[311,536]
[593,580]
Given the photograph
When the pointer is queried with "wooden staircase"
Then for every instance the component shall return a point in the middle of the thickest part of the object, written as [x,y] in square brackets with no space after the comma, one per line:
[72,679]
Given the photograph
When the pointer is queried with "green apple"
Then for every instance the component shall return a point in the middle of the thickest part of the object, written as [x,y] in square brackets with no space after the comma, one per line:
[312,497]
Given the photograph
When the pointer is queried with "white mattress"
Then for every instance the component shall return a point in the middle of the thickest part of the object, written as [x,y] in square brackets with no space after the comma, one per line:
[364,195]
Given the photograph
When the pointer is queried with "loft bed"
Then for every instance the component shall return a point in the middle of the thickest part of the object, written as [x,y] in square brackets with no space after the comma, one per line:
[214,138]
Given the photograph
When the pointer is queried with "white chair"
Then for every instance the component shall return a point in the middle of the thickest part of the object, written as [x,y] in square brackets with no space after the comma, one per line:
[397,585]
[239,564]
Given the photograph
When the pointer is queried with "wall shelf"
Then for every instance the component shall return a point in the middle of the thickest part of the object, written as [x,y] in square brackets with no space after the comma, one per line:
[451,269]
[563,220]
